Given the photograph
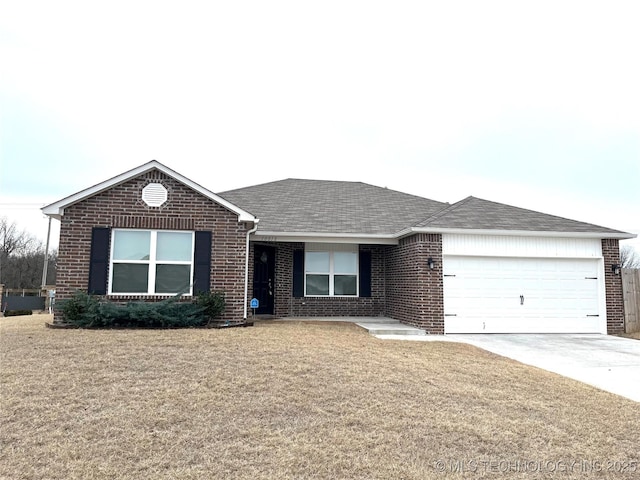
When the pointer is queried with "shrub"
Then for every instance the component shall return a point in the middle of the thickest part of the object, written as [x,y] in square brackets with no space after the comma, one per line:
[15,313]
[83,310]
[80,310]
[212,302]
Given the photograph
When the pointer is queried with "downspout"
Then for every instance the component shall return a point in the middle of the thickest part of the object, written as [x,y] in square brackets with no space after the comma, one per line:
[46,258]
[246,267]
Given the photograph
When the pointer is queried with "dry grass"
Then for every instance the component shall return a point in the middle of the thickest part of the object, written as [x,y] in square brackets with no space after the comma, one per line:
[292,400]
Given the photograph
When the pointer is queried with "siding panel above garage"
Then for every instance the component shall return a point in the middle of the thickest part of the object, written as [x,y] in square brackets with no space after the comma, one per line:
[508,246]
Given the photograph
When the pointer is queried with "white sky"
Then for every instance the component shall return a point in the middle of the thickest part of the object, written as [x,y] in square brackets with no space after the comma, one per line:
[531,103]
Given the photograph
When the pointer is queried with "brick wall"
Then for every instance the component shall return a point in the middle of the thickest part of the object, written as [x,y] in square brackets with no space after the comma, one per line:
[613,285]
[415,292]
[185,209]
[287,305]
[347,306]
[402,285]
[284,278]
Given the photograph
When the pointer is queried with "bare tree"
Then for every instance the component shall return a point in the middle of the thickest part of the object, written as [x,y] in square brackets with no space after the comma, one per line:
[25,270]
[13,242]
[629,258]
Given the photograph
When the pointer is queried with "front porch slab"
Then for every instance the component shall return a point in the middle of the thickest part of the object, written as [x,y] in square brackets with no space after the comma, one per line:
[391,328]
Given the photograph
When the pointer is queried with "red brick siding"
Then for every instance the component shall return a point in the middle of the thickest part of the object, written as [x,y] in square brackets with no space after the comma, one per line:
[185,209]
[287,305]
[348,306]
[284,277]
[415,292]
[613,286]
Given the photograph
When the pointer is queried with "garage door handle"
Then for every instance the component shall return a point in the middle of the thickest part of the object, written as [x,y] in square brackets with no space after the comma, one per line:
[521,299]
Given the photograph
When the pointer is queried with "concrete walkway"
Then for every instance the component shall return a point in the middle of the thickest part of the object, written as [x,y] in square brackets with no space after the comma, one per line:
[603,361]
[374,325]
[391,328]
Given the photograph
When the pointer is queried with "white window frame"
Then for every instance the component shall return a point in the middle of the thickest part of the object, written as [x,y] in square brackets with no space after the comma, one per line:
[331,272]
[152,262]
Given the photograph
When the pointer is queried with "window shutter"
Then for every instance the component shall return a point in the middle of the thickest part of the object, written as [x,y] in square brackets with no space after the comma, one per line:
[365,273]
[202,262]
[298,273]
[99,260]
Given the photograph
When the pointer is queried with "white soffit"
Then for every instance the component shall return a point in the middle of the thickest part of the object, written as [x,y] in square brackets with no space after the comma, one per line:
[325,238]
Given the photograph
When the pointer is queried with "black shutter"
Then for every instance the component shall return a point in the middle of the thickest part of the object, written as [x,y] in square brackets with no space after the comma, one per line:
[202,262]
[365,273]
[99,260]
[298,273]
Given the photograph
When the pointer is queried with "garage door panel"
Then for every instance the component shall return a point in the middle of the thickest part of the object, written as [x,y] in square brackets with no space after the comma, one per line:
[489,294]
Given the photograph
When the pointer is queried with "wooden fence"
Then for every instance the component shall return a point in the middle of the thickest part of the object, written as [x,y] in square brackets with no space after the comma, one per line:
[631,295]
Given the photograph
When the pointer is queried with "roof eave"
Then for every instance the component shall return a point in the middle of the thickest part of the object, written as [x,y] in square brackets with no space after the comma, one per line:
[516,233]
[324,237]
[56,209]
[392,239]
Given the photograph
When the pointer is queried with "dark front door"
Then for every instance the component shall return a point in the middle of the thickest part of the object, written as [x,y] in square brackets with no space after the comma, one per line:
[263,278]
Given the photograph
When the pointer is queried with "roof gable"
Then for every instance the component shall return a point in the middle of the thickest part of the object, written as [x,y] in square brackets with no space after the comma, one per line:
[56,209]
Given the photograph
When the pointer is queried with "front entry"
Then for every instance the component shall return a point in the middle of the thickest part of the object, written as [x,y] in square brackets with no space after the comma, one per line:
[263,278]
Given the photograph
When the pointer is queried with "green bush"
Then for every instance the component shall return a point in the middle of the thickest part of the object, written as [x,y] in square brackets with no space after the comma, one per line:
[80,310]
[15,313]
[83,310]
[212,302]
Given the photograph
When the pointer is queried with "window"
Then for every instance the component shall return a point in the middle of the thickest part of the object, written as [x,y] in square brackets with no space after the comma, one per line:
[151,262]
[331,273]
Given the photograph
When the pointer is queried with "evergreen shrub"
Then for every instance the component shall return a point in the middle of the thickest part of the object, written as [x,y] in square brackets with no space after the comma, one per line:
[15,313]
[87,311]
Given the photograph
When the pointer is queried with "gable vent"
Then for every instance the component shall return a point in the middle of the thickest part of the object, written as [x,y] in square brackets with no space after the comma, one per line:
[154,194]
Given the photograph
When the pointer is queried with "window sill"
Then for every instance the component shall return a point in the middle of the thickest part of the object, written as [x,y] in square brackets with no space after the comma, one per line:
[144,296]
[331,296]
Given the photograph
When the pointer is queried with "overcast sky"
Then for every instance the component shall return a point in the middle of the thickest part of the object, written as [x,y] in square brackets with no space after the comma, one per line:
[531,103]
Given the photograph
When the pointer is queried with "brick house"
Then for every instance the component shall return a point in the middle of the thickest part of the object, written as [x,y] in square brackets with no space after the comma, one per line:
[309,248]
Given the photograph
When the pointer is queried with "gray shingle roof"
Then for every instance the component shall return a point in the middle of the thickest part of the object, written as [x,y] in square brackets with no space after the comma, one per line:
[335,207]
[478,214]
[319,206]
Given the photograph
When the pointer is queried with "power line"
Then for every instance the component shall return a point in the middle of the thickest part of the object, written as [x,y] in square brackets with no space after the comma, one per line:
[22,205]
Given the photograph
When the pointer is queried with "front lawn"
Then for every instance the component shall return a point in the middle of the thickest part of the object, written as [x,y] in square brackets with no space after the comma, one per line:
[293,400]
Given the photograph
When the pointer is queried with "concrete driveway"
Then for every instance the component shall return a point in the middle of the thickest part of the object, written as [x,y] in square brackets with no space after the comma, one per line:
[607,362]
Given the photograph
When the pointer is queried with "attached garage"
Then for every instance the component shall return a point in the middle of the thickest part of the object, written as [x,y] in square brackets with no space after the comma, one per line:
[508,284]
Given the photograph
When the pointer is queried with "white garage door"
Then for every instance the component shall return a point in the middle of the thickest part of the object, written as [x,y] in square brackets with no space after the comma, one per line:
[521,295]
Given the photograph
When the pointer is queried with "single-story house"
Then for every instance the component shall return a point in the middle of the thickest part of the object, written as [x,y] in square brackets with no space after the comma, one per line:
[308,248]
